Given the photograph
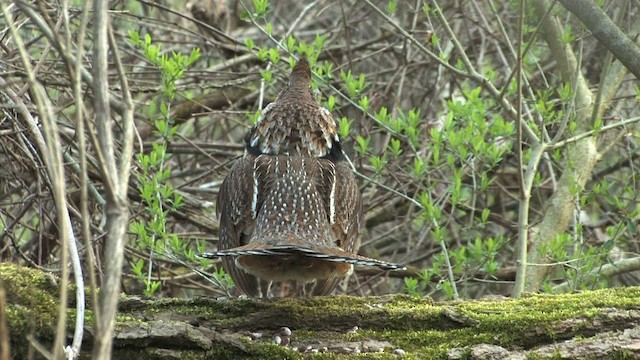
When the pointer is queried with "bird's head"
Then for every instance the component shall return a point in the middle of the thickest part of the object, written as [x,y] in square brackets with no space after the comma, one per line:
[295,122]
[300,75]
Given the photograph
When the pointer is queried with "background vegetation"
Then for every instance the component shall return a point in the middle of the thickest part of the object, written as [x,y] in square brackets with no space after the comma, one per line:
[496,142]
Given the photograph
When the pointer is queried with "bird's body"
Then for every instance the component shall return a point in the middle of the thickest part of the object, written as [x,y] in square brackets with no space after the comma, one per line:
[290,208]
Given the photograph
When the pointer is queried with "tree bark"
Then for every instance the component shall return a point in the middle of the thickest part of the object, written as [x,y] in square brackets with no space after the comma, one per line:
[607,33]
[581,156]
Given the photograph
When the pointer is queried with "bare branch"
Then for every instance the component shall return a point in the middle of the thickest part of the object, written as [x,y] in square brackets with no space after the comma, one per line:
[116,208]
[607,32]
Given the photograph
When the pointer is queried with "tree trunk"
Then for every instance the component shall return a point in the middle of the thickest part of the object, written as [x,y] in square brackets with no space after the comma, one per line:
[592,325]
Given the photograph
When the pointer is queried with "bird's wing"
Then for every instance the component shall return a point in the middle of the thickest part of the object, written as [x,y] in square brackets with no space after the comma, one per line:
[349,212]
[238,203]
[343,204]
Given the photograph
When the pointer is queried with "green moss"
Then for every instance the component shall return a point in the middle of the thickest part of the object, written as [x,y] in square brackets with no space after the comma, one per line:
[623,355]
[273,351]
[204,307]
[32,304]
[32,299]
[421,327]
[431,330]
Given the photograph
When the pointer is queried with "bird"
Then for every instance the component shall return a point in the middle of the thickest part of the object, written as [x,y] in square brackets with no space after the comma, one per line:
[290,208]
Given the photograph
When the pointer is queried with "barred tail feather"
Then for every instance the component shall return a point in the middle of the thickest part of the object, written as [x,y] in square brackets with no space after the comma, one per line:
[353,259]
[336,255]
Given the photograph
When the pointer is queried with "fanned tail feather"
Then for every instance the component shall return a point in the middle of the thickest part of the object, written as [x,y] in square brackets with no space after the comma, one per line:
[336,255]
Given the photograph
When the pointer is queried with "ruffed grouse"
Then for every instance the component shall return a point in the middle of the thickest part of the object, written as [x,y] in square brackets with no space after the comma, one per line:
[290,208]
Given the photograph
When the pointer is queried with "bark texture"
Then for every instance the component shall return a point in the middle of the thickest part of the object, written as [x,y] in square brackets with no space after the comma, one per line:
[602,324]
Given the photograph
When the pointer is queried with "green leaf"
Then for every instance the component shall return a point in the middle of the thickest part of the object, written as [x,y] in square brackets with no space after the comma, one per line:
[291,43]
[485,215]
[253,117]
[331,103]
[249,43]
[303,48]
[364,103]
[164,110]
[262,54]
[319,41]
[378,163]
[134,37]
[136,267]
[363,144]
[273,55]
[411,284]
[446,288]
[567,35]
[260,7]
[151,287]
[344,126]
[381,116]
[392,6]
[597,125]
[394,147]
[418,167]
[564,91]
[267,76]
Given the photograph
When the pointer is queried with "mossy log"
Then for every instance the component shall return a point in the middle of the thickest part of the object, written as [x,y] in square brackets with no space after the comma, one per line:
[601,324]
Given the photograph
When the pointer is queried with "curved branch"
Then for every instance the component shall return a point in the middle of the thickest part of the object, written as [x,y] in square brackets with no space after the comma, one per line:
[607,33]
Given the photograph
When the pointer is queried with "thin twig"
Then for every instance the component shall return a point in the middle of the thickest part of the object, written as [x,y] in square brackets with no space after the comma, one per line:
[52,151]
[85,186]
[589,133]
[525,192]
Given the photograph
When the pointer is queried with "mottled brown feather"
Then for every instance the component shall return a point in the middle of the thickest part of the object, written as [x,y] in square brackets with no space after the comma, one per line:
[236,223]
[290,208]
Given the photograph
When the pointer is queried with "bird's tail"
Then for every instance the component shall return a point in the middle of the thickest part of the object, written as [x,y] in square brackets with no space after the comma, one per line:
[333,254]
